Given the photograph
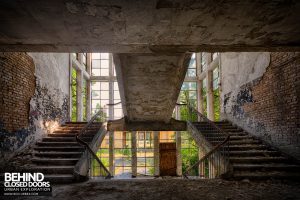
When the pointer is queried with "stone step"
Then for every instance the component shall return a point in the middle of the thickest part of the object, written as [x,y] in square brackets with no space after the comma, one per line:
[57,144]
[240,175]
[239,142]
[257,159]
[233,137]
[265,167]
[73,131]
[254,153]
[59,149]
[59,154]
[60,169]
[69,135]
[68,129]
[247,147]
[60,178]
[216,131]
[65,139]
[55,161]
[215,134]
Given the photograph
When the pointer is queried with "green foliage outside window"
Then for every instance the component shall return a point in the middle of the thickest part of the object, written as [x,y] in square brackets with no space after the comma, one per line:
[74,95]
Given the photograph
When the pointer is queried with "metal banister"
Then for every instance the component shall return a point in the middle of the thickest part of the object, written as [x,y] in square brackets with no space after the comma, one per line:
[83,143]
[217,148]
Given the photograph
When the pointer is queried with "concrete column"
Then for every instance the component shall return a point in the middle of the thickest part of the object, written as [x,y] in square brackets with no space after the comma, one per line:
[111,100]
[201,165]
[111,153]
[156,153]
[111,89]
[80,58]
[70,86]
[79,86]
[88,100]
[88,88]
[200,96]
[134,154]
[178,154]
[210,96]
[208,57]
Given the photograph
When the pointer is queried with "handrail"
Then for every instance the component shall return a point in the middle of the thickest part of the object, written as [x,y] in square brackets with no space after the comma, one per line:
[215,148]
[83,143]
[209,121]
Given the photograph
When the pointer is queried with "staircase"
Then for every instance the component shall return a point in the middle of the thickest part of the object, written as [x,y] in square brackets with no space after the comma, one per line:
[249,157]
[57,154]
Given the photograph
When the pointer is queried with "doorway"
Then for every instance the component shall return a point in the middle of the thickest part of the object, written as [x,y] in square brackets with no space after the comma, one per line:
[167,159]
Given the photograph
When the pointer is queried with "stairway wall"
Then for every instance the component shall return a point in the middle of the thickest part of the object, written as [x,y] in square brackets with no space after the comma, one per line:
[263,97]
[34,98]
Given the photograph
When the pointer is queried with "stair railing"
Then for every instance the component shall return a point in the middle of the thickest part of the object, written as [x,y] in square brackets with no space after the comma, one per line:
[103,170]
[215,162]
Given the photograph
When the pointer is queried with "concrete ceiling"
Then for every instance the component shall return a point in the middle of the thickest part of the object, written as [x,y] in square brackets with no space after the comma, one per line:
[150,84]
[135,26]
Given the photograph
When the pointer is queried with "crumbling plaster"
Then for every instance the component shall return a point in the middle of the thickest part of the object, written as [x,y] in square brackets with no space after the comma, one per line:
[48,106]
[136,26]
[259,94]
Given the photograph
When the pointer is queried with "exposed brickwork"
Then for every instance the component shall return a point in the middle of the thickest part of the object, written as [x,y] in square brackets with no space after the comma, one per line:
[17,86]
[276,97]
[269,106]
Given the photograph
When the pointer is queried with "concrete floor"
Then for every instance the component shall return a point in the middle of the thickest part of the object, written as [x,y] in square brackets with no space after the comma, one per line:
[175,189]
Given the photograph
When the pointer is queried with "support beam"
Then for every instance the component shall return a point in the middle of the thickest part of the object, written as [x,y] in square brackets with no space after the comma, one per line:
[121,125]
[202,164]
[210,96]
[88,87]
[178,154]
[79,98]
[150,93]
[134,154]
[200,96]
[156,153]
[111,153]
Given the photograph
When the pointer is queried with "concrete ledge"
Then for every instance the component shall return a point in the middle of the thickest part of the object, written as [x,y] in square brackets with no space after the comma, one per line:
[123,125]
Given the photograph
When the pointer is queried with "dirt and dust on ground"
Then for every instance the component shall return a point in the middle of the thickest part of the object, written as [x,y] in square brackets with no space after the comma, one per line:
[176,189]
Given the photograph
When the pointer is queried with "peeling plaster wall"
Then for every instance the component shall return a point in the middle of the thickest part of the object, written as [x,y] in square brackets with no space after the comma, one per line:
[48,106]
[260,93]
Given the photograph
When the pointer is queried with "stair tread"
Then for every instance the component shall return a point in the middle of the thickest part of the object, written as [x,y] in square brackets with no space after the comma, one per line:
[51,167]
[266,165]
[52,159]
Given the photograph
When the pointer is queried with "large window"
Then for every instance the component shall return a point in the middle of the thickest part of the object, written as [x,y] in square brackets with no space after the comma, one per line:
[100,96]
[192,69]
[167,136]
[145,153]
[123,154]
[216,81]
[103,154]
[188,94]
[203,62]
[100,64]
[74,95]
[189,153]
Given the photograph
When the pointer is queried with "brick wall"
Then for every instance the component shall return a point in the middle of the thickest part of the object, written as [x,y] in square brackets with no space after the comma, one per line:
[269,106]
[17,86]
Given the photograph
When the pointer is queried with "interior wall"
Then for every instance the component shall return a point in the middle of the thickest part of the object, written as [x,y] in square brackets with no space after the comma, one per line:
[34,98]
[260,93]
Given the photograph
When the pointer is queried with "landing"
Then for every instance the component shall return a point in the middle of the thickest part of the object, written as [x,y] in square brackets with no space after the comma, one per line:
[173,189]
